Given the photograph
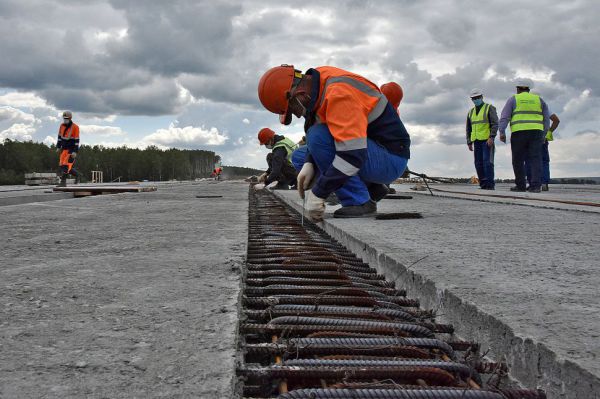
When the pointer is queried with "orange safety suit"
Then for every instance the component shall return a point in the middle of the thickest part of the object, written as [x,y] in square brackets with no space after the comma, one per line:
[68,142]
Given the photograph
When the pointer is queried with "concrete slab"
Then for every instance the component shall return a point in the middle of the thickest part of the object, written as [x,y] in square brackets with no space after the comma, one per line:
[28,196]
[521,280]
[584,198]
[122,296]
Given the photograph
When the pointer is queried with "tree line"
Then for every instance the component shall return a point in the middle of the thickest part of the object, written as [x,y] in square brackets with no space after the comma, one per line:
[120,163]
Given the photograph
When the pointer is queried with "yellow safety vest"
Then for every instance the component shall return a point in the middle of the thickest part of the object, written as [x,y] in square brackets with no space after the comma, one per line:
[289,146]
[480,123]
[527,114]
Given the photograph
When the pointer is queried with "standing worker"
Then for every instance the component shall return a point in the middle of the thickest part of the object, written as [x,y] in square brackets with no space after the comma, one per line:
[67,145]
[356,142]
[545,154]
[529,119]
[280,169]
[482,126]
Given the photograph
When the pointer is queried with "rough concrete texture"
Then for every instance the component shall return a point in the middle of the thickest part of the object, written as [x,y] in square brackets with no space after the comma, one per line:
[521,280]
[122,296]
[572,197]
[16,195]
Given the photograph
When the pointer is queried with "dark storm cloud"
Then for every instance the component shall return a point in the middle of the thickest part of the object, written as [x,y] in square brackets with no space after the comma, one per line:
[130,57]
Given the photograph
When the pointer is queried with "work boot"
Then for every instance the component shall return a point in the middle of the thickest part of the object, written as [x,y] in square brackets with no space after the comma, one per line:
[518,189]
[356,211]
[545,187]
[377,192]
[534,189]
[332,199]
[63,181]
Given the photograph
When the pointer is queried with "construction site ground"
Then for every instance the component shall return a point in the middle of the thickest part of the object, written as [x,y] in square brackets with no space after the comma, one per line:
[136,295]
[521,280]
[122,296]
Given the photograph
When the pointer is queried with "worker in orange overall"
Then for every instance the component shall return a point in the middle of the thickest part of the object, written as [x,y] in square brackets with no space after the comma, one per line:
[356,142]
[67,145]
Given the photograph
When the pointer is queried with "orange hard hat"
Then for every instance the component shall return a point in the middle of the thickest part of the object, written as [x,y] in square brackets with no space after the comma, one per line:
[274,88]
[393,92]
[265,135]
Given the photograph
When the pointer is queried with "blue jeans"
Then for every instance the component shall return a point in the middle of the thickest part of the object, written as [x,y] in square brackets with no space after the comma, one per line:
[545,165]
[484,163]
[381,166]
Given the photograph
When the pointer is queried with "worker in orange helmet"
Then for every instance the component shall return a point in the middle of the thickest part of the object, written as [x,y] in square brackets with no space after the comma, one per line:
[67,145]
[393,92]
[280,173]
[356,142]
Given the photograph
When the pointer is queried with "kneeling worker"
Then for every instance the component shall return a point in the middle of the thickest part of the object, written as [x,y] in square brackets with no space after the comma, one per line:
[280,171]
[356,142]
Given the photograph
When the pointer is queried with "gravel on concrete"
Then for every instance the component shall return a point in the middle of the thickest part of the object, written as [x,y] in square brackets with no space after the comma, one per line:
[122,296]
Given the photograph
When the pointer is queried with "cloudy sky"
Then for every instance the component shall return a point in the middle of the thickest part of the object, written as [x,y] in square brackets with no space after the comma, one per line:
[184,73]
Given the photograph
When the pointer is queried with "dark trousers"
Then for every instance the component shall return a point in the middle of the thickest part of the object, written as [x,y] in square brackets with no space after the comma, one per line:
[288,172]
[484,163]
[545,165]
[526,146]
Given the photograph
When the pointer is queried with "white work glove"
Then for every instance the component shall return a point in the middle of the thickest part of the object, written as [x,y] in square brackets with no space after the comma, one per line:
[305,178]
[73,155]
[271,186]
[315,206]
[259,186]
[262,178]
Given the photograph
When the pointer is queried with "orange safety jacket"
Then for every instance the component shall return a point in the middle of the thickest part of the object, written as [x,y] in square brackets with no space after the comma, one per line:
[354,109]
[68,137]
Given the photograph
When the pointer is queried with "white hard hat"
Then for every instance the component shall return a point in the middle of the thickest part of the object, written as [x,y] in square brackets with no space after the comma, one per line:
[475,93]
[67,115]
[524,83]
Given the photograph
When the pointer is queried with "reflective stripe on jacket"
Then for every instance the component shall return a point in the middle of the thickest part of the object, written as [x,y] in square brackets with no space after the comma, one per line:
[480,123]
[68,137]
[354,109]
[527,114]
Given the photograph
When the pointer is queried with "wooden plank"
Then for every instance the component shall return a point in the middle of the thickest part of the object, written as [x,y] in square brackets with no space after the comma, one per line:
[100,189]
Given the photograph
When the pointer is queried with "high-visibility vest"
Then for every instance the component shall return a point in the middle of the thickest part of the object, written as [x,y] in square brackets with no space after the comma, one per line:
[289,146]
[480,123]
[527,114]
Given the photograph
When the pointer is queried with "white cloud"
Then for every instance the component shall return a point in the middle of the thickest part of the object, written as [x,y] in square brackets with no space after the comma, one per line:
[23,100]
[188,136]
[98,130]
[18,131]
[49,140]
[13,115]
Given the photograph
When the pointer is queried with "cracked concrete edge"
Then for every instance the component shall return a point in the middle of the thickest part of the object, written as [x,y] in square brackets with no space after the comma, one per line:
[533,365]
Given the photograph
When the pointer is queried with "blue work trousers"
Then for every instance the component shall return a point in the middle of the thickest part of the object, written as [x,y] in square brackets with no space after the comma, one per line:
[545,165]
[484,163]
[525,146]
[381,166]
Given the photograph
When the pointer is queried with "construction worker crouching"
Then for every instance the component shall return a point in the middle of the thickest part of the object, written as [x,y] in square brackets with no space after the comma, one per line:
[482,126]
[529,121]
[67,145]
[356,142]
[280,173]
